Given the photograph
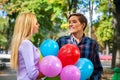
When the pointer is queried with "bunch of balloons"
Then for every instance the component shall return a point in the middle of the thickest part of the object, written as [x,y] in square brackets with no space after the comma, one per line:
[49,47]
[64,63]
[50,66]
[86,68]
[69,54]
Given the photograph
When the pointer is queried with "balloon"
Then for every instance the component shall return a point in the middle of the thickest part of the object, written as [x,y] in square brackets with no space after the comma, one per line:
[49,47]
[70,72]
[53,78]
[40,55]
[69,54]
[86,68]
[50,66]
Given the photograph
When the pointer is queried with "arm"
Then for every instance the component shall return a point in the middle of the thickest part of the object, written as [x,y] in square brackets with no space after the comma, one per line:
[98,69]
[26,50]
[59,43]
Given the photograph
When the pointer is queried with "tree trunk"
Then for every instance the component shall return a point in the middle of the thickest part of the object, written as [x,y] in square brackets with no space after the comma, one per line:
[118,40]
[75,6]
[116,47]
[91,16]
[107,47]
[8,37]
[114,44]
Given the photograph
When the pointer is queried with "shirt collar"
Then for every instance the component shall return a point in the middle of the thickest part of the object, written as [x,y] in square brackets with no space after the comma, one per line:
[72,40]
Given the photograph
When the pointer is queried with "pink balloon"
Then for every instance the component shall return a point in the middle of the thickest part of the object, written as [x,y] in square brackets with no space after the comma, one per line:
[70,72]
[50,66]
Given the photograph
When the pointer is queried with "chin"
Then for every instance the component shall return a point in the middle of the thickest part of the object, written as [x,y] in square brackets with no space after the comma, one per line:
[35,32]
[72,32]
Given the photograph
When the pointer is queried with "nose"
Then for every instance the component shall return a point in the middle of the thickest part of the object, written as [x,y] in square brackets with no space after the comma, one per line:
[38,24]
[70,24]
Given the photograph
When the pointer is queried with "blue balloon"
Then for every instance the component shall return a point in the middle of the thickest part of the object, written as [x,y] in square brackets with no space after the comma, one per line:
[49,47]
[86,68]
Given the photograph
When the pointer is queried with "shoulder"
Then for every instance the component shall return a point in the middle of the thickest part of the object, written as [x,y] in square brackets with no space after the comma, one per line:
[88,39]
[63,38]
[26,43]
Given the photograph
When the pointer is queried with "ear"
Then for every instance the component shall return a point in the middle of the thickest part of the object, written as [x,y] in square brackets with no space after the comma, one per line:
[83,25]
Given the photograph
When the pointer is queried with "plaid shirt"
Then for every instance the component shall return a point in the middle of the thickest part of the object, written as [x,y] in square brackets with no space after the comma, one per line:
[89,49]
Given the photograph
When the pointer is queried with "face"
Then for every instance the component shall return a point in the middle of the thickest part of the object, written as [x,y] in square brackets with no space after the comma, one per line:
[36,27]
[74,25]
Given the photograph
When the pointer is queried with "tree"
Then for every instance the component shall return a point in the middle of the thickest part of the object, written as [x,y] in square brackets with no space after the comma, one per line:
[116,45]
[114,8]
[50,13]
[104,26]
[3,26]
[88,6]
[105,32]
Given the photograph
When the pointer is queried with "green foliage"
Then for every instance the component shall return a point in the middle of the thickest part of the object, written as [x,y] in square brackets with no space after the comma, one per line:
[51,14]
[48,12]
[103,7]
[3,40]
[3,27]
[105,31]
[64,26]
[3,23]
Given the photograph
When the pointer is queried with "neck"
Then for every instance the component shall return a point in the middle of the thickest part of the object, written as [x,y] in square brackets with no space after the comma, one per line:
[77,37]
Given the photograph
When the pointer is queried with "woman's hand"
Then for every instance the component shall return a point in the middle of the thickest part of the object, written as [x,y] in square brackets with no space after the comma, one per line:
[40,76]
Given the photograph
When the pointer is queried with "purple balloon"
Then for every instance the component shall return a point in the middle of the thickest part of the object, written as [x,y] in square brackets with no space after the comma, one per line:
[70,72]
[50,66]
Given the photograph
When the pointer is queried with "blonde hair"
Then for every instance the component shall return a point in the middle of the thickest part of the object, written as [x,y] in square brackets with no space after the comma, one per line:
[23,29]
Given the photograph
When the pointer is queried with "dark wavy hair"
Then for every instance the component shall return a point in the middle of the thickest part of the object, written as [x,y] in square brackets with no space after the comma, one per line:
[81,18]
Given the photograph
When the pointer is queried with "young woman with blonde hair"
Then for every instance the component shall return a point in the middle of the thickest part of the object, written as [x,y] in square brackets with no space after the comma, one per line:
[25,57]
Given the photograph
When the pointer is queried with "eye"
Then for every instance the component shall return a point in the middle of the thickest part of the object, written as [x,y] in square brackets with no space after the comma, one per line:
[37,23]
[74,21]
[69,22]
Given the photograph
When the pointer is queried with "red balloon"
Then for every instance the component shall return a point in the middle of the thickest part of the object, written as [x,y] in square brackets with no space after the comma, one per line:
[69,54]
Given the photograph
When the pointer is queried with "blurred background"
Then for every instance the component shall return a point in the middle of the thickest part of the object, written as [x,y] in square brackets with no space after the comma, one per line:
[103,26]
